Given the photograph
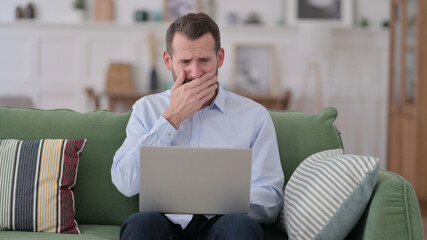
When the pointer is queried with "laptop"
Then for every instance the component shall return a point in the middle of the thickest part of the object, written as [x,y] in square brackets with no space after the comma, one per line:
[184,180]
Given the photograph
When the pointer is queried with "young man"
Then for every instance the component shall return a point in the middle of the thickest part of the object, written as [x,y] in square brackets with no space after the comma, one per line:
[198,112]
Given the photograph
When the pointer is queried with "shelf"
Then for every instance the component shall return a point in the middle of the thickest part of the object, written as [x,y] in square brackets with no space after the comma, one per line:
[165,25]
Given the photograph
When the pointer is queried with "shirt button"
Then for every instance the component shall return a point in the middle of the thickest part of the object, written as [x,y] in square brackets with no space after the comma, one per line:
[170,135]
[194,143]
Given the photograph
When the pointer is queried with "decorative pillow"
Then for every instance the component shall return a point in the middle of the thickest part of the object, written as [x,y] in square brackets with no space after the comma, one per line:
[37,178]
[327,194]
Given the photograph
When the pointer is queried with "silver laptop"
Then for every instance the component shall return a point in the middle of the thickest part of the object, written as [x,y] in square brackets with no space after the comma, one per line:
[187,180]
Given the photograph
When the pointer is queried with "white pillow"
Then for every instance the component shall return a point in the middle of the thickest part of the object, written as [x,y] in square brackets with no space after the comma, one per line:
[327,194]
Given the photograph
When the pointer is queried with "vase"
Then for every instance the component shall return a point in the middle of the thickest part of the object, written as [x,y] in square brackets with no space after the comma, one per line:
[78,15]
[104,10]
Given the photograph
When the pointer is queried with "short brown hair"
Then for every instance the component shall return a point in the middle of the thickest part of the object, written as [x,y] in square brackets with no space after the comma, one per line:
[193,25]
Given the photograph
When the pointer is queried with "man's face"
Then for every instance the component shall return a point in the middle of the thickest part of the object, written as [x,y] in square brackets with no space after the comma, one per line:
[195,57]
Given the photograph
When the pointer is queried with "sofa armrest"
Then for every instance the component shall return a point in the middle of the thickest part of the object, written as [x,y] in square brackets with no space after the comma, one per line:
[392,213]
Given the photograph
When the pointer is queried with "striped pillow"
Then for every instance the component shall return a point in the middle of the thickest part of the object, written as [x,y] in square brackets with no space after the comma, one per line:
[37,178]
[327,194]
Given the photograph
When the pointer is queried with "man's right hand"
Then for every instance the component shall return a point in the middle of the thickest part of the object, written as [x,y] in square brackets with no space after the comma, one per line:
[187,99]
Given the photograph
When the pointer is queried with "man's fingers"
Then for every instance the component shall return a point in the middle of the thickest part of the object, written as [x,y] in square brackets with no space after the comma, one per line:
[179,80]
[201,80]
[207,91]
[209,94]
[206,77]
[209,83]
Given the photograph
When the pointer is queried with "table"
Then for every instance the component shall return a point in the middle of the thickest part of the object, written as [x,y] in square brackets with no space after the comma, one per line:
[129,98]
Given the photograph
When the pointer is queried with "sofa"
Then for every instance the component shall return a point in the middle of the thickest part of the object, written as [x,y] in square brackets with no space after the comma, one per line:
[391,213]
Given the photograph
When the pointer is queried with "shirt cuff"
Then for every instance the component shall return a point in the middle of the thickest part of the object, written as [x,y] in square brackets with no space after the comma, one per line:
[165,131]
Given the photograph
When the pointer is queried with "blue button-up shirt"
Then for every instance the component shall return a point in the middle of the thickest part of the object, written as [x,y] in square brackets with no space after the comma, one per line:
[231,121]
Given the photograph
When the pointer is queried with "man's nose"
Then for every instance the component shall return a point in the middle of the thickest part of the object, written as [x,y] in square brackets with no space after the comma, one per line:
[194,70]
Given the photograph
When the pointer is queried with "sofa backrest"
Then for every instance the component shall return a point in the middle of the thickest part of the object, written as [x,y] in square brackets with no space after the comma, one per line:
[97,199]
[300,135]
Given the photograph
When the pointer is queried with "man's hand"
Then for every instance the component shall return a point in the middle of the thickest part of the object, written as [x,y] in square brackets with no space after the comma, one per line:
[187,99]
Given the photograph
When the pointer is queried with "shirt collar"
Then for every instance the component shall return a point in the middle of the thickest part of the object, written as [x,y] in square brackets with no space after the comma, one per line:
[219,100]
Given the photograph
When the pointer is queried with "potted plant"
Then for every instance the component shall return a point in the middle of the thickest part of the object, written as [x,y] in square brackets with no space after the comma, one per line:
[79,7]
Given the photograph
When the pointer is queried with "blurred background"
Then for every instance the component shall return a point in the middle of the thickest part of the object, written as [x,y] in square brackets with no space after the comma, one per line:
[93,54]
[359,56]
[303,55]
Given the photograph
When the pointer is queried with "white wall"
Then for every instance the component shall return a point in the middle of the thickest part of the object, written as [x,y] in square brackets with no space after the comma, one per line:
[270,10]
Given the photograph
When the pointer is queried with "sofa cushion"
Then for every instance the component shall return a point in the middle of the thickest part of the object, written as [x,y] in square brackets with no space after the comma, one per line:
[327,194]
[37,179]
[97,199]
[300,135]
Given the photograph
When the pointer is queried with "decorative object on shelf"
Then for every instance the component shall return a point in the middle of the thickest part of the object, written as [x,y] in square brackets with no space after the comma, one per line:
[326,12]
[154,81]
[79,10]
[255,69]
[141,16]
[119,78]
[104,10]
[364,22]
[385,23]
[232,18]
[19,13]
[158,15]
[253,18]
[177,8]
[30,11]
[281,20]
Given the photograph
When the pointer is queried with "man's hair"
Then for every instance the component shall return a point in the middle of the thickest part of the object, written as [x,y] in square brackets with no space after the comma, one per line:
[193,25]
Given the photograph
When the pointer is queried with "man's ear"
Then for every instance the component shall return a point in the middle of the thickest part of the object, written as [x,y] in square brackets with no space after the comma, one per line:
[221,56]
[167,59]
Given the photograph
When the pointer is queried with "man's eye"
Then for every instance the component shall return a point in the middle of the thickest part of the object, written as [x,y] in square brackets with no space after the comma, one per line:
[205,59]
[185,61]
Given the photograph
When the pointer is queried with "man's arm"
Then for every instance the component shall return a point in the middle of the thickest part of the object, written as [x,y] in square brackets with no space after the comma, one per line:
[185,100]
[125,168]
[267,175]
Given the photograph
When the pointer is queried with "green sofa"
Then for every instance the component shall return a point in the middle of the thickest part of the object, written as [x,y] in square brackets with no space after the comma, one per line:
[392,213]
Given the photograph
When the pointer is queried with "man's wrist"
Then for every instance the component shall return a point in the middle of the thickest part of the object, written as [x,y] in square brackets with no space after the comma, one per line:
[173,119]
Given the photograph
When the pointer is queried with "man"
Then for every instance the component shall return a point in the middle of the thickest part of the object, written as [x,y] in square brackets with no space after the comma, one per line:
[198,112]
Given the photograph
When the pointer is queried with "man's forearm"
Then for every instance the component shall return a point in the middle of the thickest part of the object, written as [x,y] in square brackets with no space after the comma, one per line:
[125,168]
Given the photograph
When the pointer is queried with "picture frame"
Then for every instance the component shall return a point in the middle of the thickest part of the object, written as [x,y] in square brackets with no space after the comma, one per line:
[336,13]
[255,69]
[174,9]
